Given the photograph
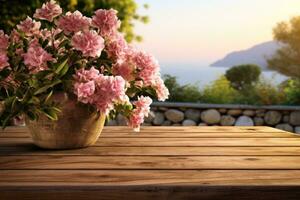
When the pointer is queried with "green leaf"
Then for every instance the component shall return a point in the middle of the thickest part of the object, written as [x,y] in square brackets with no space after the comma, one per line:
[4,73]
[5,121]
[58,36]
[63,44]
[33,83]
[46,87]
[21,77]
[64,70]
[56,109]
[50,113]
[43,74]
[48,96]
[32,116]
[61,65]
[34,100]
[13,103]
[9,101]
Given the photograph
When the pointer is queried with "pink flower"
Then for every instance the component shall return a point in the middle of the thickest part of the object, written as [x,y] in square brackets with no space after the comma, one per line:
[89,43]
[116,47]
[135,120]
[134,65]
[73,22]
[147,66]
[142,109]
[84,91]
[106,21]
[45,34]
[3,41]
[48,12]
[36,57]
[29,27]
[124,69]
[99,90]
[14,36]
[83,75]
[126,66]
[162,91]
[109,90]
[3,60]
[143,105]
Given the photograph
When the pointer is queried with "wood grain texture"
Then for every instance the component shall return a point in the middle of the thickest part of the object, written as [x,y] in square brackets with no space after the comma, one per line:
[29,149]
[158,163]
[149,162]
[174,134]
[150,192]
[191,129]
[178,142]
[148,177]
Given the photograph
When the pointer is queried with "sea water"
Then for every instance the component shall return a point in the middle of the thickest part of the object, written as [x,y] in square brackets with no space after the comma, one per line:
[204,74]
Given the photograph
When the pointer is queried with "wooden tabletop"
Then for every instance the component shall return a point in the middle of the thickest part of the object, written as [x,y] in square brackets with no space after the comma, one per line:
[157,163]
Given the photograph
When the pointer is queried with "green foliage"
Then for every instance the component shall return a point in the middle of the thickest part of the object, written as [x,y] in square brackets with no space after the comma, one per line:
[220,91]
[286,60]
[266,93]
[263,92]
[292,91]
[243,77]
[185,93]
[13,11]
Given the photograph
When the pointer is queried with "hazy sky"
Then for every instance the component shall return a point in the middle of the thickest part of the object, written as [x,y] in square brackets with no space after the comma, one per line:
[201,31]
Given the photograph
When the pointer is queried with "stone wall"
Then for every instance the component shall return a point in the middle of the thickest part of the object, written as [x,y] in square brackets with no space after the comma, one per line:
[193,114]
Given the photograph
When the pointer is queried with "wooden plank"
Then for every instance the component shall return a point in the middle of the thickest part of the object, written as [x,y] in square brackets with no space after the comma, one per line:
[149,162]
[176,142]
[30,150]
[200,129]
[173,135]
[149,192]
[147,177]
[156,164]
[191,129]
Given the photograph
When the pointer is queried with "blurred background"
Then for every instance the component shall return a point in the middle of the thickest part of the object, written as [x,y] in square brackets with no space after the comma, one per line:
[216,51]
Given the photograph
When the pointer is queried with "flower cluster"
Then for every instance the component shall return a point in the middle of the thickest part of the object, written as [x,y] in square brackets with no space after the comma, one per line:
[36,57]
[48,12]
[73,22]
[142,109]
[79,55]
[89,43]
[99,90]
[3,54]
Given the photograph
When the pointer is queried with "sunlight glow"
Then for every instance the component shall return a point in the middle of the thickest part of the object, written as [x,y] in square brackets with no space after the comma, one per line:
[205,30]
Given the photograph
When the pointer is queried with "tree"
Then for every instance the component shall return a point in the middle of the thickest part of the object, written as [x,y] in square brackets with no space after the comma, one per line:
[13,11]
[287,59]
[181,93]
[243,77]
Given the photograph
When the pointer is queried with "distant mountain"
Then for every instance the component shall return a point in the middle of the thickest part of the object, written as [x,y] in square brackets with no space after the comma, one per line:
[255,55]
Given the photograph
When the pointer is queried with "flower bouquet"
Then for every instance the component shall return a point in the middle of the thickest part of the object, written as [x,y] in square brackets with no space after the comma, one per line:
[66,73]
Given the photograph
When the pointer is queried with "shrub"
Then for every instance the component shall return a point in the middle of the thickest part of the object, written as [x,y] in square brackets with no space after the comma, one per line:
[220,91]
[243,77]
[292,92]
[178,93]
[268,93]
